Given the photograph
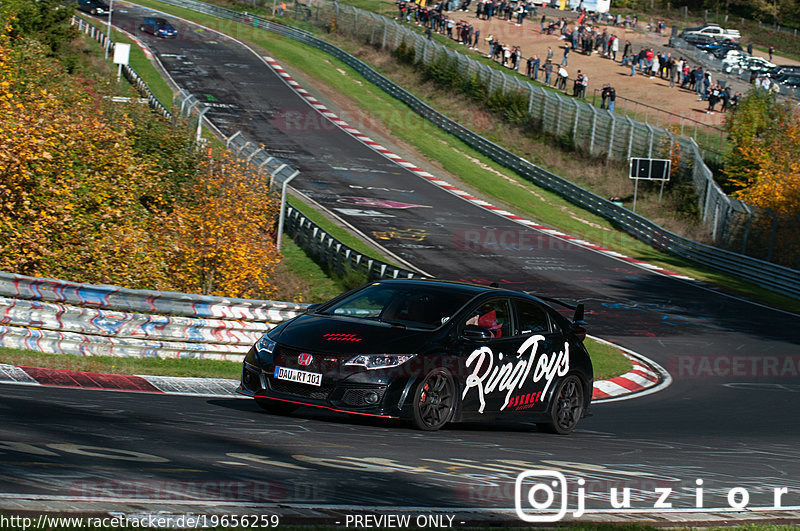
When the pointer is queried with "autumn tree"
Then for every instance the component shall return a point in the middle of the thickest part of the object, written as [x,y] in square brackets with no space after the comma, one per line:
[763,168]
[98,192]
[220,235]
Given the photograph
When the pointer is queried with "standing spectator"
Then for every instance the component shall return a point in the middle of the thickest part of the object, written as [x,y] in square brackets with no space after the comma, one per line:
[771,51]
[726,98]
[698,82]
[611,96]
[576,87]
[561,81]
[672,72]
[750,49]
[549,53]
[583,85]
[713,97]
[604,96]
[614,48]
[626,53]
[536,63]
[564,61]
[548,71]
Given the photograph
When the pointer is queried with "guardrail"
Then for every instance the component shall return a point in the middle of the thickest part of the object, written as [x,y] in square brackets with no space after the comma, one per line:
[63,317]
[716,204]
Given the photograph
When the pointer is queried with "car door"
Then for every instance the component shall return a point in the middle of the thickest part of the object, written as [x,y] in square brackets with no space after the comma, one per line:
[544,346]
[510,356]
[487,340]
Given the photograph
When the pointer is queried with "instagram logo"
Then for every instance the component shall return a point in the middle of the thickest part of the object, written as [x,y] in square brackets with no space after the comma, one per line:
[540,495]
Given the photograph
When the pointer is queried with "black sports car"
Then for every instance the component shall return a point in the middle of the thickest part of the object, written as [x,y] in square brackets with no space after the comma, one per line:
[430,352]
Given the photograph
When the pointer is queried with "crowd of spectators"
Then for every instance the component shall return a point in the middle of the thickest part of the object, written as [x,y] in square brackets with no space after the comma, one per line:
[590,34]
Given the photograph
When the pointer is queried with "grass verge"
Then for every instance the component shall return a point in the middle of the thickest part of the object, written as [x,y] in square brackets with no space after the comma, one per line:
[607,360]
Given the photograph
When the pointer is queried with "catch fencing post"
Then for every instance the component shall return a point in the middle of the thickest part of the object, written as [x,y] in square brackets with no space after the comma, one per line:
[283,206]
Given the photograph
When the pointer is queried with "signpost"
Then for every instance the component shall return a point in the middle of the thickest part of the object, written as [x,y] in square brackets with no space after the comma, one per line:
[649,170]
[122,52]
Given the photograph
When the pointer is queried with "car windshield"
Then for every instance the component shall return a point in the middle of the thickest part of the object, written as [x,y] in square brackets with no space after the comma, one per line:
[415,306]
[162,22]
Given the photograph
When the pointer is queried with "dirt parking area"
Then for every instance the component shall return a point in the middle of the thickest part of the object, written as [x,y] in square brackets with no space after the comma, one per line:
[644,89]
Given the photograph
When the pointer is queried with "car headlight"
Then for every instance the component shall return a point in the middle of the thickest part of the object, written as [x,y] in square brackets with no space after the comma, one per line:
[264,347]
[379,361]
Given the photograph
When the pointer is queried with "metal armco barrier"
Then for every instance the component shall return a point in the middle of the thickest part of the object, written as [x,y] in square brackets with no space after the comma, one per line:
[716,205]
[85,319]
[336,255]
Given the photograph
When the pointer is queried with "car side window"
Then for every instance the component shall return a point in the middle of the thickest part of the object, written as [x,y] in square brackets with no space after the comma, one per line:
[532,318]
[494,316]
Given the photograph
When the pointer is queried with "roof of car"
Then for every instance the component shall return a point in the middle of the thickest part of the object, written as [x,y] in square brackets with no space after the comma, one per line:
[462,287]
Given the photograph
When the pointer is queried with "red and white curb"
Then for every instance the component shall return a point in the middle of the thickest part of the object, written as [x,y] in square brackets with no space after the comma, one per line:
[646,377]
[206,387]
[364,139]
[642,378]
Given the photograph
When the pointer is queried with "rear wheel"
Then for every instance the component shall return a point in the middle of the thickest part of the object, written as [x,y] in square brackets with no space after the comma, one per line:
[434,400]
[276,406]
[566,408]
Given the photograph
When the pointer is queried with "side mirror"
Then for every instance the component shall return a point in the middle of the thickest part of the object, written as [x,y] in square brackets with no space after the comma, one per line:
[312,307]
[477,333]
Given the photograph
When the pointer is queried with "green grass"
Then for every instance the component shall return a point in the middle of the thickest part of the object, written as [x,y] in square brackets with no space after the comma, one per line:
[317,285]
[608,362]
[338,232]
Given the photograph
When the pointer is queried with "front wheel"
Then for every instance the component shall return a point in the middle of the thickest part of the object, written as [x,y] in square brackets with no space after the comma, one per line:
[276,406]
[434,400]
[566,408]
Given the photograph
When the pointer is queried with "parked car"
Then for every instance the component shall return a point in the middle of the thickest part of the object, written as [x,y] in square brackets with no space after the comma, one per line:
[781,70]
[750,64]
[93,7]
[698,39]
[158,27]
[429,352]
[789,80]
[711,30]
[719,47]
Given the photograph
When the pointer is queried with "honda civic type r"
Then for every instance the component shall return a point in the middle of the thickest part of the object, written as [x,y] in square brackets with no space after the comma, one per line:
[429,352]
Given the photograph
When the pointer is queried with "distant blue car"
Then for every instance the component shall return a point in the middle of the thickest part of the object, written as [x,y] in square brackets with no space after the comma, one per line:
[158,27]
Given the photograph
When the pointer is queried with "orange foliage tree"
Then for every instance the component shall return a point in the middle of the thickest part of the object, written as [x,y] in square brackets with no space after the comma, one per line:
[70,186]
[764,167]
[89,194]
[221,235]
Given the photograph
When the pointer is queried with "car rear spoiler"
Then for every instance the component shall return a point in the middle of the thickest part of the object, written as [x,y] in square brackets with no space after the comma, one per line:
[577,318]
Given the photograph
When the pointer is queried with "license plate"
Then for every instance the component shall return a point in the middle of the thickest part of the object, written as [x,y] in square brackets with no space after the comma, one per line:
[293,375]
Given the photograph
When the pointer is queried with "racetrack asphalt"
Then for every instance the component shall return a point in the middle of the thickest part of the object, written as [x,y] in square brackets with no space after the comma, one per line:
[729,419]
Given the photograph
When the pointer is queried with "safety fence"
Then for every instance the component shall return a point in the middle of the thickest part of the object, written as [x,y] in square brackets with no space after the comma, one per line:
[63,317]
[728,218]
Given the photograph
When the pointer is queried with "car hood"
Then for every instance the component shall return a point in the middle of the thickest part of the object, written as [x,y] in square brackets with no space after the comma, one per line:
[318,333]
